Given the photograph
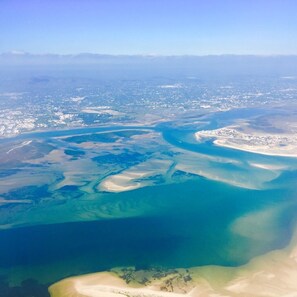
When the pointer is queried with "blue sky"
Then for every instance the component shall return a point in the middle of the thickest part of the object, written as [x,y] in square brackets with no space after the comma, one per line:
[165,27]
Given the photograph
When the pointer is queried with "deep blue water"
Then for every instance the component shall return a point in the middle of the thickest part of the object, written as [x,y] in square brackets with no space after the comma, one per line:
[188,226]
[188,223]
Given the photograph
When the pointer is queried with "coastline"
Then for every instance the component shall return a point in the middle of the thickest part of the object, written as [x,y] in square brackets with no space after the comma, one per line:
[259,150]
[253,141]
[273,274]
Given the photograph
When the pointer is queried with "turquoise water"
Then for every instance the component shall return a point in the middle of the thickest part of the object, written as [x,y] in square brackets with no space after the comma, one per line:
[189,222]
[188,226]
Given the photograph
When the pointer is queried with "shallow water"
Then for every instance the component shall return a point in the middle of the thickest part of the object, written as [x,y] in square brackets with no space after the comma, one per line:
[188,225]
[188,222]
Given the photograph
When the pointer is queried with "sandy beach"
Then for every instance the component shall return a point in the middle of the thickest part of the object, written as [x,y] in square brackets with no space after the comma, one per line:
[289,151]
[273,275]
[252,141]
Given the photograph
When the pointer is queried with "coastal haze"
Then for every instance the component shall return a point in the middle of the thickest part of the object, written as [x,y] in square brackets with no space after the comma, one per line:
[147,175]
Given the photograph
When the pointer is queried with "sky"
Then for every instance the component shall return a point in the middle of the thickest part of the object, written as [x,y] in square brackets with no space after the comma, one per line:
[149,27]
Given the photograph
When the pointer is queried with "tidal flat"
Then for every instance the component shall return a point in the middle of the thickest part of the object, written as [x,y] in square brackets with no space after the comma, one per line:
[151,198]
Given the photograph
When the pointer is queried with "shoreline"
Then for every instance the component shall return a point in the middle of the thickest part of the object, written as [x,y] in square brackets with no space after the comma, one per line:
[217,142]
[273,274]
[75,131]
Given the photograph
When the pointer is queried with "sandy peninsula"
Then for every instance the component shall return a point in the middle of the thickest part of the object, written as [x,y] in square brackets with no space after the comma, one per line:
[255,142]
[270,275]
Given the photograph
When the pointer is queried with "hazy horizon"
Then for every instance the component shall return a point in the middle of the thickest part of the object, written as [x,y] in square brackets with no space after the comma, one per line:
[22,53]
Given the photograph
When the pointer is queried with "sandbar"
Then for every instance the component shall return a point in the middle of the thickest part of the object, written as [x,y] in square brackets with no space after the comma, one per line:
[266,144]
[273,275]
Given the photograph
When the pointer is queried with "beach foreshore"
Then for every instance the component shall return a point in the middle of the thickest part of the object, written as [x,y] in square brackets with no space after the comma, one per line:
[290,151]
[283,145]
[273,274]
